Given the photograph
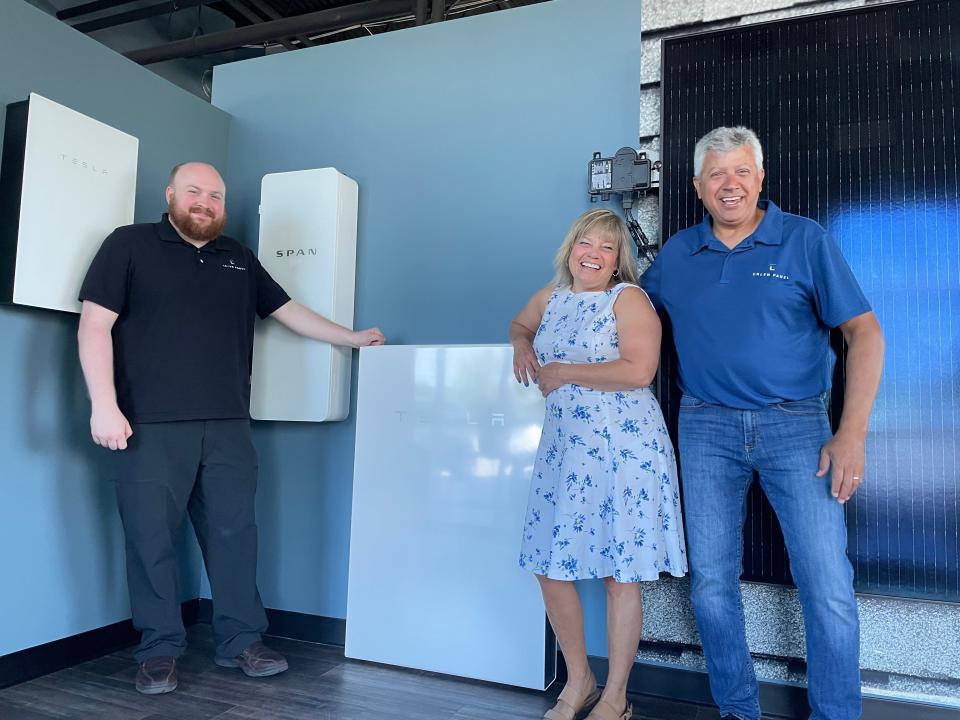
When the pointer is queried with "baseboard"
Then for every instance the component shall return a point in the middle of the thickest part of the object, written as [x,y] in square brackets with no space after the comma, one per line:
[44,659]
[778,700]
[294,625]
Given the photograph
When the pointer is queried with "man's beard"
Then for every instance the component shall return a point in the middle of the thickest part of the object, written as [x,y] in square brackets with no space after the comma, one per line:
[184,221]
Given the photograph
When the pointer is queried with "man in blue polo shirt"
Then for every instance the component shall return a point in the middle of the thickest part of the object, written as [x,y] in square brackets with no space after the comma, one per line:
[166,340]
[752,293]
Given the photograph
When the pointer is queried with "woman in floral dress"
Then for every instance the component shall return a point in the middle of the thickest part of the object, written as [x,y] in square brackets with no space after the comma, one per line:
[604,500]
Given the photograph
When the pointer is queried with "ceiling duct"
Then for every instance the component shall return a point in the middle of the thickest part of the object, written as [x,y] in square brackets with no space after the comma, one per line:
[276,30]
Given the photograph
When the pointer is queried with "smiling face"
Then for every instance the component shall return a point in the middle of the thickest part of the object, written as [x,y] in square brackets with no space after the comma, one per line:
[195,202]
[593,260]
[729,186]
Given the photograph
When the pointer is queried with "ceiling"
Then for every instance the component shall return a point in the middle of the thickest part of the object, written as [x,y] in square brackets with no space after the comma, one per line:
[267,25]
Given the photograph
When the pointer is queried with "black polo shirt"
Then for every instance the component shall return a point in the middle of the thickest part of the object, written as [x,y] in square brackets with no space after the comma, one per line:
[183,341]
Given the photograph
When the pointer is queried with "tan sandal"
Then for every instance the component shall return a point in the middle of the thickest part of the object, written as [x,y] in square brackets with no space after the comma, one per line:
[566,709]
[605,711]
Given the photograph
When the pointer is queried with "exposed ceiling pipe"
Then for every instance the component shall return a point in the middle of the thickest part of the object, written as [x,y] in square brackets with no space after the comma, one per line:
[271,14]
[437,13]
[89,7]
[421,12]
[254,18]
[309,23]
[143,13]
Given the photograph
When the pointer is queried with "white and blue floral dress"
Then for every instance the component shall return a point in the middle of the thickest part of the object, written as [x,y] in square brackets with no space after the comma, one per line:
[604,497]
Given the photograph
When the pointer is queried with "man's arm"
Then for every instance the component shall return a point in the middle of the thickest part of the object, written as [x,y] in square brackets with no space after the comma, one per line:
[108,426]
[304,321]
[844,452]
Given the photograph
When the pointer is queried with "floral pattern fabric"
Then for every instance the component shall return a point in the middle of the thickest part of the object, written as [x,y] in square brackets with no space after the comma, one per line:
[604,499]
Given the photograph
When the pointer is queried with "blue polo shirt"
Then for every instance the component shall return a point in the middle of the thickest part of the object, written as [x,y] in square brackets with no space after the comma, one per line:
[751,324]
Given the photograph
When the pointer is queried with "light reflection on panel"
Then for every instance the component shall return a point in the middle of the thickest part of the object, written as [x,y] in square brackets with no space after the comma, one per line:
[905,535]
[445,445]
[859,114]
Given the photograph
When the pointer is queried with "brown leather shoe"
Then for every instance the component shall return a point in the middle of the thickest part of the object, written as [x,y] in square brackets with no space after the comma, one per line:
[157,675]
[256,660]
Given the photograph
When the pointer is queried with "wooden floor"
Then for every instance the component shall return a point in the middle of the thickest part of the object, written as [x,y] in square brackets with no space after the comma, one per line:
[320,685]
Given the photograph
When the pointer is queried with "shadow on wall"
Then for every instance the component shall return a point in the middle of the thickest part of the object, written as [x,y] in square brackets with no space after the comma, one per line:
[86,539]
[55,420]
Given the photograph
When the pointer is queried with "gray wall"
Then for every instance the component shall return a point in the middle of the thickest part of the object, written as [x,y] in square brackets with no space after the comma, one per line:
[193,74]
[59,530]
[470,141]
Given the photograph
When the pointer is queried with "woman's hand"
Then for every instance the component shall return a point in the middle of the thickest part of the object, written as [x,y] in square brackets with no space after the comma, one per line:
[525,363]
[549,378]
[523,329]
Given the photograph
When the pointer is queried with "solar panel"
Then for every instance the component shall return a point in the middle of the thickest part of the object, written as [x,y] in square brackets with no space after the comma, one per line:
[858,113]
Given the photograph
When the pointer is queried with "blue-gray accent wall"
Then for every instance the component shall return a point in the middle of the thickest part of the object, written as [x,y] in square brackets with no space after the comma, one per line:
[59,528]
[470,141]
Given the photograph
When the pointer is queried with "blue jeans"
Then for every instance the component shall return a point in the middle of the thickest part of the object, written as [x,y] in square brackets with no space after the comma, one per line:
[720,447]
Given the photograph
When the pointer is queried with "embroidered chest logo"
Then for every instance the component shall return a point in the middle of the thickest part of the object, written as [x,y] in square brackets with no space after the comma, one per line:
[233,265]
[771,272]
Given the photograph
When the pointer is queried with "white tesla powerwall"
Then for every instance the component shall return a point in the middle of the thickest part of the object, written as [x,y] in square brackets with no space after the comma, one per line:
[67,182]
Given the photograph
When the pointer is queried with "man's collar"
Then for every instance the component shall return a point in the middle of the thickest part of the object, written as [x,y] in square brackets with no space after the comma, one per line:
[768,232]
[168,232]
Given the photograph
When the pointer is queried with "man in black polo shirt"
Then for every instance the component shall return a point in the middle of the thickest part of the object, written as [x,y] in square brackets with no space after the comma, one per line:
[166,341]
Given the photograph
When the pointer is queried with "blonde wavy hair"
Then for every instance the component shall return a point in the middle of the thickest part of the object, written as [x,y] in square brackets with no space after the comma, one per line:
[606,222]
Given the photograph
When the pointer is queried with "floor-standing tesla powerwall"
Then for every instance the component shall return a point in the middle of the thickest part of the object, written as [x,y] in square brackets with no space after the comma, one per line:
[67,181]
[308,243]
[446,440]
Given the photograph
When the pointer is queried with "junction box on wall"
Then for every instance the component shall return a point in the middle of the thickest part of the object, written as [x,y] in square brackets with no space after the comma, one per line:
[630,174]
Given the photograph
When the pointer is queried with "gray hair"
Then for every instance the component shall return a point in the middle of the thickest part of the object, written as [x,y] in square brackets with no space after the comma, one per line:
[724,140]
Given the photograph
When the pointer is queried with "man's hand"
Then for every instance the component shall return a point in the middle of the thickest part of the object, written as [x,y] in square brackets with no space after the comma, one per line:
[109,428]
[843,456]
[365,338]
[525,363]
[549,377]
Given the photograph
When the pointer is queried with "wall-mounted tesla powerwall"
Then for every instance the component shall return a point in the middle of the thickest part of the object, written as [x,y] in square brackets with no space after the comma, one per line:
[308,243]
[66,182]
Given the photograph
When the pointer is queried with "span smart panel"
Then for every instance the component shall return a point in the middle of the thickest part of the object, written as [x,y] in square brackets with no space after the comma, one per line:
[67,181]
[446,440]
[308,244]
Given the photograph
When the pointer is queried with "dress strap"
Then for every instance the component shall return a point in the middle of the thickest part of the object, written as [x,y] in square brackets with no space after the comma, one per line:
[620,287]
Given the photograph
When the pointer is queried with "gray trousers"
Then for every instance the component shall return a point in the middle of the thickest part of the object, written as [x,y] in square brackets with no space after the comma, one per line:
[209,469]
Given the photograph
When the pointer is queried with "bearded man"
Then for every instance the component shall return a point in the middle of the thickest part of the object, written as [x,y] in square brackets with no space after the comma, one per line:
[166,341]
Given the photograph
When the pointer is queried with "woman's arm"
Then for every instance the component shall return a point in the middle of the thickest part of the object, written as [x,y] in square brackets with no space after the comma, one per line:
[522,330]
[638,328]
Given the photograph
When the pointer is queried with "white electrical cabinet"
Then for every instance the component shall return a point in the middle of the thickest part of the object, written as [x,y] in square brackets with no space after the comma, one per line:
[66,183]
[445,444]
[308,244]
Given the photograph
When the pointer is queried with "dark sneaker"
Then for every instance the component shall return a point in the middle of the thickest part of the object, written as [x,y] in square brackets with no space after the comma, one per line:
[157,675]
[256,660]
